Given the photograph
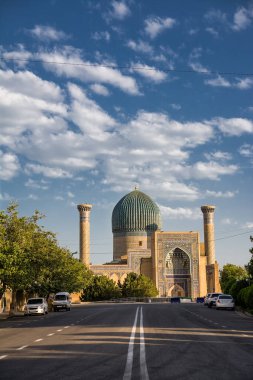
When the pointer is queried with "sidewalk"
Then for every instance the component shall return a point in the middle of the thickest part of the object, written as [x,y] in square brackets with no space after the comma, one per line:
[6,314]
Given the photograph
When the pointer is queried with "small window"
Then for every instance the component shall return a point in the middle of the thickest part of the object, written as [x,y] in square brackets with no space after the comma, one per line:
[140,243]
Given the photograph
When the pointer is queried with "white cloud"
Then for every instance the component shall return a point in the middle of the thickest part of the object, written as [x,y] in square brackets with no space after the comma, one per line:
[42,185]
[5,197]
[101,36]
[59,198]
[9,166]
[240,83]
[27,83]
[70,194]
[156,25]
[86,71]
[228,221]
[20,56]
[234,126]
[215,15]
[175,106]
[90,118]
[99,89]
[246,150]
[140,46]
[194,61]
[149,72]
[120,10]
[47,33]
[181,213]
[212,31]
[248,225]
[32,197]
[218,155]
[242,19]
[204,170]
[244,83]
[221,194]
[49,172]
[218,82]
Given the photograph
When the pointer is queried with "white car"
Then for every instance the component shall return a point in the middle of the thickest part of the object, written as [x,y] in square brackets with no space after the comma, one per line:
[62,301]
[206,298]
[212,299]
[225,301]
[36,306]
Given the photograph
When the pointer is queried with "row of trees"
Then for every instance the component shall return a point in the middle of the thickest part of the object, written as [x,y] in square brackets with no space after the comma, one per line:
[31,259]
[102,288]
[238,281]
[32,262]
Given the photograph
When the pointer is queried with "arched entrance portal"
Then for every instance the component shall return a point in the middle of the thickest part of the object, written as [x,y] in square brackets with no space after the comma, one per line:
[178,273]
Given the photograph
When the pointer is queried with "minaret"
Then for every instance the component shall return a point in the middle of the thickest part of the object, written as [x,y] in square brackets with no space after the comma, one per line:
[208,215]
[84,210]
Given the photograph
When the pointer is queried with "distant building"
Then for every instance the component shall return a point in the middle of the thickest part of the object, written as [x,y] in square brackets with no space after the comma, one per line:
[177,262]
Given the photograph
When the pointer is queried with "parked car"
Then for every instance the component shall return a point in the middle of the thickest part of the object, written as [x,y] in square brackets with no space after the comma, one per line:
[36,306]
[212,299]
[225,301]
[206,298]
[62,301]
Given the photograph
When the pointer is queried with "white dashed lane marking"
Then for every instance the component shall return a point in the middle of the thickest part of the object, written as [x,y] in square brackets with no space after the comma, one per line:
[21,348]
[3,356]
[51,334]
[38,340]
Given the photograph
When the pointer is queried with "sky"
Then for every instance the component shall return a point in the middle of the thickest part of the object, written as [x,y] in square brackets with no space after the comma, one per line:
[97,97]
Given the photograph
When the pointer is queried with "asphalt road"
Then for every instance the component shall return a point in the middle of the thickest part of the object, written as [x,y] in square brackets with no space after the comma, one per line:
[128,341]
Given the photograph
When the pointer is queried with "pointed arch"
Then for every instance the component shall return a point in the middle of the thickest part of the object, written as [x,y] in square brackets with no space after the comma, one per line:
[177,262]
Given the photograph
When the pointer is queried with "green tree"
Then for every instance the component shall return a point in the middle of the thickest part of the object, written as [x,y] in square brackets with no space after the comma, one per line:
[100,288]
[250,264]
[138,286]
[230,274]
[31,260]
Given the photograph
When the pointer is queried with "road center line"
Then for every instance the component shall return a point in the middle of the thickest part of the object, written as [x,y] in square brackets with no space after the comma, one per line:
[130,354]
[143,364]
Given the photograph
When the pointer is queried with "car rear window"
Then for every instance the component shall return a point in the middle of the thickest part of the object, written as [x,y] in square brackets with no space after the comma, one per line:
[35,301]
[60,297]
[225,297]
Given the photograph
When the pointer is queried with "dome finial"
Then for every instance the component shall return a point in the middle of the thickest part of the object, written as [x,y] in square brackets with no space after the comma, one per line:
[136,187]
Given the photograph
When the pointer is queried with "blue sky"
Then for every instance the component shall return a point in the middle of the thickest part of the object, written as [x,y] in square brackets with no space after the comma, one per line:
[100,96]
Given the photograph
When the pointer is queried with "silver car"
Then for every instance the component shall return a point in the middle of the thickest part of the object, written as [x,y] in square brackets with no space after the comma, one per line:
[206,298]
[225,301]
[212,299]
[36,306]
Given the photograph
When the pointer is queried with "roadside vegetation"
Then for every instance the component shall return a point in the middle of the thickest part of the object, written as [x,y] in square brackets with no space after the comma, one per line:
[33,264]
[102,288]
[31,261]
[238,282]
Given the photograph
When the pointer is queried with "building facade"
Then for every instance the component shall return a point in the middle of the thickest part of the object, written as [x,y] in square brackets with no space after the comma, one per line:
[177,262]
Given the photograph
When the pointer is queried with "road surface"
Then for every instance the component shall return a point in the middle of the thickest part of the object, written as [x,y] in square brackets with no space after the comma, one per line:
[128,341]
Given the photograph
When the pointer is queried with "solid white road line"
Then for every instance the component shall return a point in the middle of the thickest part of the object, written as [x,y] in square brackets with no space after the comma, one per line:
[129,362]
[143,364]
[21,348]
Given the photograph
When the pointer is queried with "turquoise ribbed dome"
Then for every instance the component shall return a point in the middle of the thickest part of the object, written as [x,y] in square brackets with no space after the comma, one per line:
[136,212]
